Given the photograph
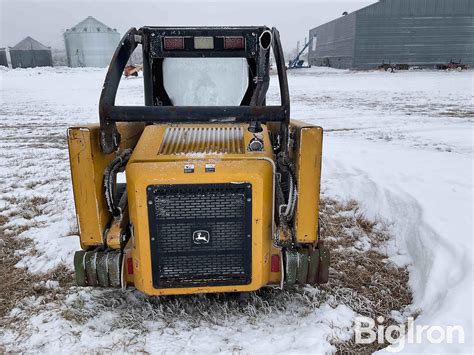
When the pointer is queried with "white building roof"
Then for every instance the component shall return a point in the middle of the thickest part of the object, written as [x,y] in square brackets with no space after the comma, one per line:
[91,24]
[30,44]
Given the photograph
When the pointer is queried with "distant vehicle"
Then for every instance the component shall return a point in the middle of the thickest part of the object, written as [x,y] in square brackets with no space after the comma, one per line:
[132,70]
[296,62]
[452,65]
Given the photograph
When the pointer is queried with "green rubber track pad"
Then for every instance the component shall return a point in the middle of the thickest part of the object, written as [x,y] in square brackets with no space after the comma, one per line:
[324,262]
[291,267]
[102,269]
[303,262]
[91,268]
[313,267]
[114,263]
[79,268]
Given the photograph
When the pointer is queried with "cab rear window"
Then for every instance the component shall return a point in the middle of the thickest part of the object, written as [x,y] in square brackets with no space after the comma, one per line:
[205,81]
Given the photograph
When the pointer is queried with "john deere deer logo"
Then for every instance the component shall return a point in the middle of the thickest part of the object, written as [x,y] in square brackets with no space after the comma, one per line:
[201,237]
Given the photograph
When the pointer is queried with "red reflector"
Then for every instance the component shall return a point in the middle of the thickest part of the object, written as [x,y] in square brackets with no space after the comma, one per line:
[234,43]
[130,266]
[275,263]
[173,43]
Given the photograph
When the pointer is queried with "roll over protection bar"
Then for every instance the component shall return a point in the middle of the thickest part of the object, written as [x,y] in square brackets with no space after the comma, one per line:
[252,109]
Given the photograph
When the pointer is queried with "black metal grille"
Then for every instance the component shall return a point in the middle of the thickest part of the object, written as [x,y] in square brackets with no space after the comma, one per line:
[222,213]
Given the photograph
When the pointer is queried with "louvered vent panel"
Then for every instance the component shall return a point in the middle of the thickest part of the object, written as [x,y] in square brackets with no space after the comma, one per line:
[204,140]
[177,212]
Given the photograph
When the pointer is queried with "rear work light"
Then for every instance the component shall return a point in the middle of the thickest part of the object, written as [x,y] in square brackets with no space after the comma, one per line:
[234,43]
[130,266]
[275,264]
[171,43]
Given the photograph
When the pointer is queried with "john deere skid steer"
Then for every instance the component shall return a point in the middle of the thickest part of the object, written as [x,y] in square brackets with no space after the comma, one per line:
[204,188]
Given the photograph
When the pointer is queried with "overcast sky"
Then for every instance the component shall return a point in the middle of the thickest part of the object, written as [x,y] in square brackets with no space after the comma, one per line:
[46,20]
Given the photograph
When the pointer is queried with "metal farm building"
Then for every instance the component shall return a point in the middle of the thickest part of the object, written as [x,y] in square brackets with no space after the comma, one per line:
[90,43]
[30,53]
[412,32]
[3,57]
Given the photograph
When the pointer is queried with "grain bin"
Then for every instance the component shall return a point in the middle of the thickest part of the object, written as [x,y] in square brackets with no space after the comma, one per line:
[30,53]
[3,57]
[90,43]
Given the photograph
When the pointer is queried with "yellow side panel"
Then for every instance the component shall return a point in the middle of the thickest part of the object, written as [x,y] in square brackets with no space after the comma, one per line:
[307,156]
[259,173]
[87,172]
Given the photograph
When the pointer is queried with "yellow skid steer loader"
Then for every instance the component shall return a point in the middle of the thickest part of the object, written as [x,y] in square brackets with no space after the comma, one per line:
[205,188]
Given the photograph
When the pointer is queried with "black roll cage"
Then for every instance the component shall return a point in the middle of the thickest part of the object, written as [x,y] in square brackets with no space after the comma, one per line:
[158,109]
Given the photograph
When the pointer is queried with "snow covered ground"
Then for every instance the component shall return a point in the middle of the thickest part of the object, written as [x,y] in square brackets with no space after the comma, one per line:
[399,144]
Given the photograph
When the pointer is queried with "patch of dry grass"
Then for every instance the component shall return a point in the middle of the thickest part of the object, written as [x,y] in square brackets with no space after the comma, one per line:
[18,283]
[364,280]
[26,207]
[458,113]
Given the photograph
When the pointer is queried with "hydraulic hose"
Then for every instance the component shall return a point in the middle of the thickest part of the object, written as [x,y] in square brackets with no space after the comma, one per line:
[110,174]
[289,208]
